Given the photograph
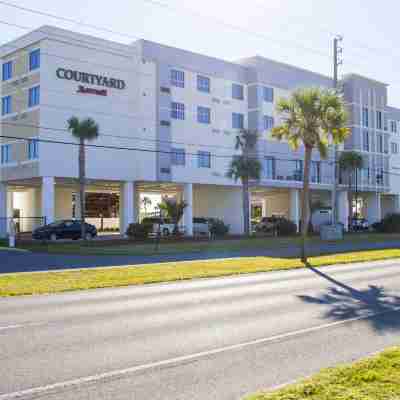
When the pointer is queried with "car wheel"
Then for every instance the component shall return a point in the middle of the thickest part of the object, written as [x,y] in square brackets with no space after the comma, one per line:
[53,237]
[165,232]
[88,236]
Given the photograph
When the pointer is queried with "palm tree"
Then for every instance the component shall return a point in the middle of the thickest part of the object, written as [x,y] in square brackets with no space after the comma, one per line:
[245,167]
[311,117]
[146,201]
[350,162]
[174,210]
[84,130]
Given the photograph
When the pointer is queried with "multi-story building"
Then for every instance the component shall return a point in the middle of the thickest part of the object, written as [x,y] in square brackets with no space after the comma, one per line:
[168,122]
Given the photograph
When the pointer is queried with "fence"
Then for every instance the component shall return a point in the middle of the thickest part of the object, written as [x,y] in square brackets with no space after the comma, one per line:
[22,224]
[104,224]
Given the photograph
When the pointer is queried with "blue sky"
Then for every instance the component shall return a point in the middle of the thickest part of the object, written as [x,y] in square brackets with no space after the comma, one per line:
[292,31]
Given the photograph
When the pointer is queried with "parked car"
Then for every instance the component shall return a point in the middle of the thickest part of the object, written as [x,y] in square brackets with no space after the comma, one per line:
[358,224]
[162,225]
[64,229]
[268,224]
[201,226]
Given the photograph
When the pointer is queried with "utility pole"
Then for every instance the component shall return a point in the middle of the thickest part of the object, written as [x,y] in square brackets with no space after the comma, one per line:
[337,60]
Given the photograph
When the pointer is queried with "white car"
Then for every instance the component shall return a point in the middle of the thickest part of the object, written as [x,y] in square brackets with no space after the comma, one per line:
[201,227]
[162,225]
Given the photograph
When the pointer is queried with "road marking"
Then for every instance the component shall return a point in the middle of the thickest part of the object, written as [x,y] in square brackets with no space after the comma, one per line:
[52,388]
[18,326]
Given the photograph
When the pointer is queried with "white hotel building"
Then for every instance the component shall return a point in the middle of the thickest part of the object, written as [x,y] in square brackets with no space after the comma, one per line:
[168,123]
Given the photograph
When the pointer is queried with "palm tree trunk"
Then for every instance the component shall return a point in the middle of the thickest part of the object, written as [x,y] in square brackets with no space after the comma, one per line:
[350,199]
[82,186]
[246,206]
[305,203]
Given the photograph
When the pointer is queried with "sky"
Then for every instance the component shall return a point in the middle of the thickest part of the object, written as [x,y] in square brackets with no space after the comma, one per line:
[292,31]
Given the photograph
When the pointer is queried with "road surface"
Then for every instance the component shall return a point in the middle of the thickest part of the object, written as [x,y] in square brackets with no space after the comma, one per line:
[200,340]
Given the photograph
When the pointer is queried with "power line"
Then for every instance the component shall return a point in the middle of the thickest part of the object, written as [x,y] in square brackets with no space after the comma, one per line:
[111,147]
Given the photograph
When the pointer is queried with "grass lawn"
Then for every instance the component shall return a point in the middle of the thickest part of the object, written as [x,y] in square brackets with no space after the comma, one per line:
[145,249]
[374,378]
[52,282]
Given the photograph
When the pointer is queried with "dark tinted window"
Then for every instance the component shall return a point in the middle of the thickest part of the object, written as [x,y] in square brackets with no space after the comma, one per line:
[200,220]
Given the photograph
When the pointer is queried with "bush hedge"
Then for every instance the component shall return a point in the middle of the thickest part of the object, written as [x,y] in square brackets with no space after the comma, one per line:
[139,231]
[389,224]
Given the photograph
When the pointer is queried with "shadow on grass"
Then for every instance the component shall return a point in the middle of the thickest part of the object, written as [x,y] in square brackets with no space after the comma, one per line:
[345,302]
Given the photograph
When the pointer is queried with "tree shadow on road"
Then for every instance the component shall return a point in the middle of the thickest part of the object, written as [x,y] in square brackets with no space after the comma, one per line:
[345,302]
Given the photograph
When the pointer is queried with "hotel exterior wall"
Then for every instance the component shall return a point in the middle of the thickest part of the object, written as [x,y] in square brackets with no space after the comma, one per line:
[126,118]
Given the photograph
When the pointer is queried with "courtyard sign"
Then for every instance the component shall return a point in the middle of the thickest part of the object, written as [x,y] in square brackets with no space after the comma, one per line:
[91,79]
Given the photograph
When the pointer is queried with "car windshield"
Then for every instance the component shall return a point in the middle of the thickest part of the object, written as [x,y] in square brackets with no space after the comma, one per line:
[56,223]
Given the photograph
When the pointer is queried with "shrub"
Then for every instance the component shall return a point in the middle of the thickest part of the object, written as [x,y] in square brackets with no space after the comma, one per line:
[389,224]
[285,227]
[138,231]
[218,227]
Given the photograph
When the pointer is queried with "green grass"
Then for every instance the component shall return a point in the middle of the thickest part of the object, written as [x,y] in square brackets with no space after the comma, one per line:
[60,281]
[145,249]
[374,378]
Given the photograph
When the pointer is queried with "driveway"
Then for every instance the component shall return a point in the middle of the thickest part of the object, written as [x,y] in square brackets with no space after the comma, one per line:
[16,261]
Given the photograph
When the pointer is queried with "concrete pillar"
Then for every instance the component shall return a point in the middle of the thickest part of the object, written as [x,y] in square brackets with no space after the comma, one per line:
[48,199]
[127,207]
[10,208]
[78,211]
[343,209]
[3,210]
[374,212]
[188,212]
[295,207]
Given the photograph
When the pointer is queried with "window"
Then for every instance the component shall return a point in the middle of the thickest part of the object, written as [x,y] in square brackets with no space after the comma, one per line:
[379,140]
[365,140]
[393,126]
[268,94]
[6,105]
[315,171]
[34,60]
[178,157]
[203,84]
[379,120]
[237,121]
[379,176]
[177,111]
[34,96]
[33,149]
[269,167]
[268,122]
[204,158]
[177,78]
[5,153]
[203,115]
[395,148]
[237,91]
[7,71]
[298,171]
[365,116]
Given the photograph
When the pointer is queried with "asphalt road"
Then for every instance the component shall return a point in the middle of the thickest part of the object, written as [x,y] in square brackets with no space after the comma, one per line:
[205,339]
[11,261]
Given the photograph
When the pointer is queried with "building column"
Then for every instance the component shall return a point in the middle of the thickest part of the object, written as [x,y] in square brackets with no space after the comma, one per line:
[374,212]
[3,210]
[396,205]
[188,212]
[127,206]
[343,209]
[295,207]
[48,199]
[10,208]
